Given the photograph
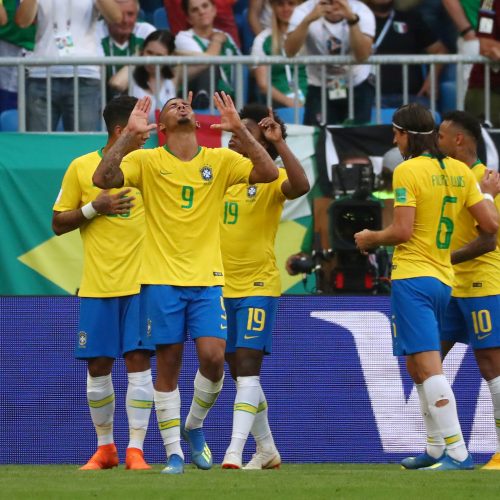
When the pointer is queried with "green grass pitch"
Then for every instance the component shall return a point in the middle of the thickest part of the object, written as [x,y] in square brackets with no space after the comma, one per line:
[297,481]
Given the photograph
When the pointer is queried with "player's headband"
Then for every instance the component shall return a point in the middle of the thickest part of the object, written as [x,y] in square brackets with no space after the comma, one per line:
[412,131]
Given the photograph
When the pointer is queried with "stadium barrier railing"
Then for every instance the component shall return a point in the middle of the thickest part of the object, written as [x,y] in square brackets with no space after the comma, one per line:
[239,62]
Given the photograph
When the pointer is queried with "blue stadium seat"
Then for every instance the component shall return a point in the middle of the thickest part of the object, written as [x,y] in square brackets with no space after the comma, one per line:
[9,121]
[160,19]
[447,96]
[385,115]
[288,114]
[246,33]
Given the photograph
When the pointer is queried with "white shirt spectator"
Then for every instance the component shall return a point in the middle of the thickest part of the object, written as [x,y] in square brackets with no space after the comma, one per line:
[189,41]
[325,38]
[71,23]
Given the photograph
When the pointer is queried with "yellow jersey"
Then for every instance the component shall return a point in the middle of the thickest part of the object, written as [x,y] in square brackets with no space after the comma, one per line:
[182,201]
[249,222]
[438,190]
[111,243]
[477,277]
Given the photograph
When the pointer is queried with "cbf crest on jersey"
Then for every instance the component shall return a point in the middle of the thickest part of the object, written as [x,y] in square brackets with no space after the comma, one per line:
[206,173]
[251,191]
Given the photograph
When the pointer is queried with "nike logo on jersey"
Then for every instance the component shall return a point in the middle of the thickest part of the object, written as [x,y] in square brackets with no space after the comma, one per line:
[482,337]
[249,337]
[165,172]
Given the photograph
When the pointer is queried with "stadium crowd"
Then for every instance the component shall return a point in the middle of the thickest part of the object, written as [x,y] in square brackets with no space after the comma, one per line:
[186,266]
[38,28]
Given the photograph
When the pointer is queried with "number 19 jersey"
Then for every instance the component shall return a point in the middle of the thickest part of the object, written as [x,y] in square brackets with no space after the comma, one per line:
[438,190]
[249,223]
[182,201]
[477,277]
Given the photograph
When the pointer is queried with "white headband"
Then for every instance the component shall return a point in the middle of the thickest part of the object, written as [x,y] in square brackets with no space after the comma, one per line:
[412,131]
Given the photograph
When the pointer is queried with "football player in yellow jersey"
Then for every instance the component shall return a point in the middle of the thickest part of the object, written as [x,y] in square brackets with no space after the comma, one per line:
[473,315]
[183,186]
[253,284]
[430,190]
[112,228]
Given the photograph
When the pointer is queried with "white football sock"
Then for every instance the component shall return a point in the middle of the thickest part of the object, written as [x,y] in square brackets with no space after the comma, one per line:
[139,403]
[437,388]
[205,395]
[101,400]
[246,403]
[168,414]
[494,386]
[260,429]
[435,442]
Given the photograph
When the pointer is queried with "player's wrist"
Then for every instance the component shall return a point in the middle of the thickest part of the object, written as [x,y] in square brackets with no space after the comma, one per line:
[488,196]
[89,211]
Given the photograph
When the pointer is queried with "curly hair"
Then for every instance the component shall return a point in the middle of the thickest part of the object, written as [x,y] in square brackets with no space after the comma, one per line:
[258,112]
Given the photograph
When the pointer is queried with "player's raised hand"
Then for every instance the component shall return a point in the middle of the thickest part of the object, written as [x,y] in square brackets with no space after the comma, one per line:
[490,183]
[112,204]
[138,120]
[230,118]
[270,128]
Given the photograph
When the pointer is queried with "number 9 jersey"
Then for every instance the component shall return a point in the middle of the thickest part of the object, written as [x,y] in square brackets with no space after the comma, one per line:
[438,190]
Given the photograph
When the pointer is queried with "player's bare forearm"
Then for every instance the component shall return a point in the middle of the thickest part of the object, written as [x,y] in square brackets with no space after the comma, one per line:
[484,243]
[297,184]
[108,173]
[264,170]
[65,222]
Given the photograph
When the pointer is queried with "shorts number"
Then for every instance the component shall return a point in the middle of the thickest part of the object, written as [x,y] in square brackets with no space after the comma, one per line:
[230,212]
[446,225]
[256,319]
[481,321]
[187,196]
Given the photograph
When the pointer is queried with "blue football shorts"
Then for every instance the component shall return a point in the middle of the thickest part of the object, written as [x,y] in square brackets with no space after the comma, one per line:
[418,310]
[109,327]
[474,321]
[250,323]
[170,312]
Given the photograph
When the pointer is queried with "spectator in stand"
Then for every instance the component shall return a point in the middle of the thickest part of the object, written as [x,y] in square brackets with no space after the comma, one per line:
[335,27]
[488,33]
[14,42]
[204,39]
[404,32]
[259,15]
[224,20]
[464,14]
[64,29]
[3,15]
[158,43]
[270,42]
[123,38]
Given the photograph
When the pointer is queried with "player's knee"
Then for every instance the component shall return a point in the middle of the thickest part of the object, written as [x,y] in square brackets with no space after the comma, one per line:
[100,367]
[441,402]
[138,361]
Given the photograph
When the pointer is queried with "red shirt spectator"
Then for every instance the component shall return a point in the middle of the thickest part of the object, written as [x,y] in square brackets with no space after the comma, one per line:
[224,21]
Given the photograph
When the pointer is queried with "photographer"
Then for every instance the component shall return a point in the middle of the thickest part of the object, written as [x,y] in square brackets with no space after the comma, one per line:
[335,27]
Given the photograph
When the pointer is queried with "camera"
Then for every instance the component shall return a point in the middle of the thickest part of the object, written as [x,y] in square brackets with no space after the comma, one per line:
[303,265]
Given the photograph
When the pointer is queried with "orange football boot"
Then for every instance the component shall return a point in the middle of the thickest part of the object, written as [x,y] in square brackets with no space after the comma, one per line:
[135,460]
[106,457]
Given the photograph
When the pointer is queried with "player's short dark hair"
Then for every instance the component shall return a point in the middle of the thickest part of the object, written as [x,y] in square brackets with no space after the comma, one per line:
[417,121]
[466,122]
[117,111]
[257,112]
[185,5]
